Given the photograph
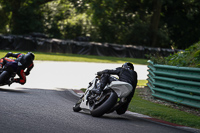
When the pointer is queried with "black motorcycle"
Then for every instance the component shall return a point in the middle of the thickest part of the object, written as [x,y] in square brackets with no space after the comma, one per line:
[8,72]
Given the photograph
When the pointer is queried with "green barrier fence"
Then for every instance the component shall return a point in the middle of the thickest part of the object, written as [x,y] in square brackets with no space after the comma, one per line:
[176,84]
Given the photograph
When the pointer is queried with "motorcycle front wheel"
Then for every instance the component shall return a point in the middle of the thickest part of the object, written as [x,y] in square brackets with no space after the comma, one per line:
[4,76]
[77,107]
[108,101]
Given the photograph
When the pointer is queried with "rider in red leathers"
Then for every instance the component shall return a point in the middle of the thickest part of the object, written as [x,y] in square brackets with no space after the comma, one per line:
[24,61]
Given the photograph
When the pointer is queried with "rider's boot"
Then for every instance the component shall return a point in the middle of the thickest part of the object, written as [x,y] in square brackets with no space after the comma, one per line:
[10,81]
[102,84]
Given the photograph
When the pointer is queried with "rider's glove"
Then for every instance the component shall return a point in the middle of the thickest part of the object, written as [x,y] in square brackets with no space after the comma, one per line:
[99,73]
[8,54]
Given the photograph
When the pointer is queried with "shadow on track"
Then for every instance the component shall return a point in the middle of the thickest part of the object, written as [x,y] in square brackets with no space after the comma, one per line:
[111,116]
[12,90]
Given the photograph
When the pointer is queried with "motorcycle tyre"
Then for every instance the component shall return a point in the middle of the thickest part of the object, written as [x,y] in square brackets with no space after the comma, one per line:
[77,107]
[105,106]
[4,77]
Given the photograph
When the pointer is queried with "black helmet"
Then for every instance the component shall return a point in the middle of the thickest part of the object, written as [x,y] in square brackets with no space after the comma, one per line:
[128,65]
[29,56]
[27,59]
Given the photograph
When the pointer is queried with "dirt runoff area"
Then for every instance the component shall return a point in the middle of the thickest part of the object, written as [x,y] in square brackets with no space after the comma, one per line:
[145,93]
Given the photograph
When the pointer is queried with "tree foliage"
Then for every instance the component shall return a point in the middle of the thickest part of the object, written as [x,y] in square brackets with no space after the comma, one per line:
[155,23]
[182,19]
[25,15]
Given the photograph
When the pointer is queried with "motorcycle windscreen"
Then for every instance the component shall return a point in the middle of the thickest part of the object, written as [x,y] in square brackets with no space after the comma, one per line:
[122,89]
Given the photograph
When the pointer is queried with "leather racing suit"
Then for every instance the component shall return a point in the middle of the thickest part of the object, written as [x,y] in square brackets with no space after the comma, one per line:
[22,65]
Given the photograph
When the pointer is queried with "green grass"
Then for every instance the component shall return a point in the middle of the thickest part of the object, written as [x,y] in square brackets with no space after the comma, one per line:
[79,58]
[163,112]
[142,82]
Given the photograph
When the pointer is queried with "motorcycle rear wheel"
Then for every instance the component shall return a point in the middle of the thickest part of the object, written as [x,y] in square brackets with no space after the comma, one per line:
[108,102]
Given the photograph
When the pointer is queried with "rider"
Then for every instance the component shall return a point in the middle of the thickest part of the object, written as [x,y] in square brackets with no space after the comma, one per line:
[25,61]
[126,74]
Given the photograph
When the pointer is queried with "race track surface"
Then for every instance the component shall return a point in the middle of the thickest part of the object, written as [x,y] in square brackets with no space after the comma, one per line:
[34,110]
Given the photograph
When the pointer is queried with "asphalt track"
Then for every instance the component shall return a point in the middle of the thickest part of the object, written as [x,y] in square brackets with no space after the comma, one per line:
[44,105]
[35,110]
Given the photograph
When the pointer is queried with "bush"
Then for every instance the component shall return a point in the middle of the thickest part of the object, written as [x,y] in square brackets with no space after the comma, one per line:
[188,58]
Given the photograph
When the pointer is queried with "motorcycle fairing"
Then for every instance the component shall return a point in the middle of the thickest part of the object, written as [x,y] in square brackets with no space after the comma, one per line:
[122,89]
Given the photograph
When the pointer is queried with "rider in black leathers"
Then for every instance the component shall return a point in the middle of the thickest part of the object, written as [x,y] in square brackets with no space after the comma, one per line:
[125,73]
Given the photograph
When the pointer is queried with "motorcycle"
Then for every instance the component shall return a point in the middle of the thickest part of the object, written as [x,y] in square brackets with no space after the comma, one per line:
[8,72]
[111,98]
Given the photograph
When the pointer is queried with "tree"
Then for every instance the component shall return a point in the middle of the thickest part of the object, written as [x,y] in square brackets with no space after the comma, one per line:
[155,19]
[4,20]
[25,15]
[181,18]
[156,23]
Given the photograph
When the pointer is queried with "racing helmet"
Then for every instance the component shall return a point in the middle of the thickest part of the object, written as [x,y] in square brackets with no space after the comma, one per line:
[29,56]
[27,59]
[128,65]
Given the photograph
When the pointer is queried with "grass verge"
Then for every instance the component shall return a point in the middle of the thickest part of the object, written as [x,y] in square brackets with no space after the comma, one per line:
[79,58]
[163,112]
